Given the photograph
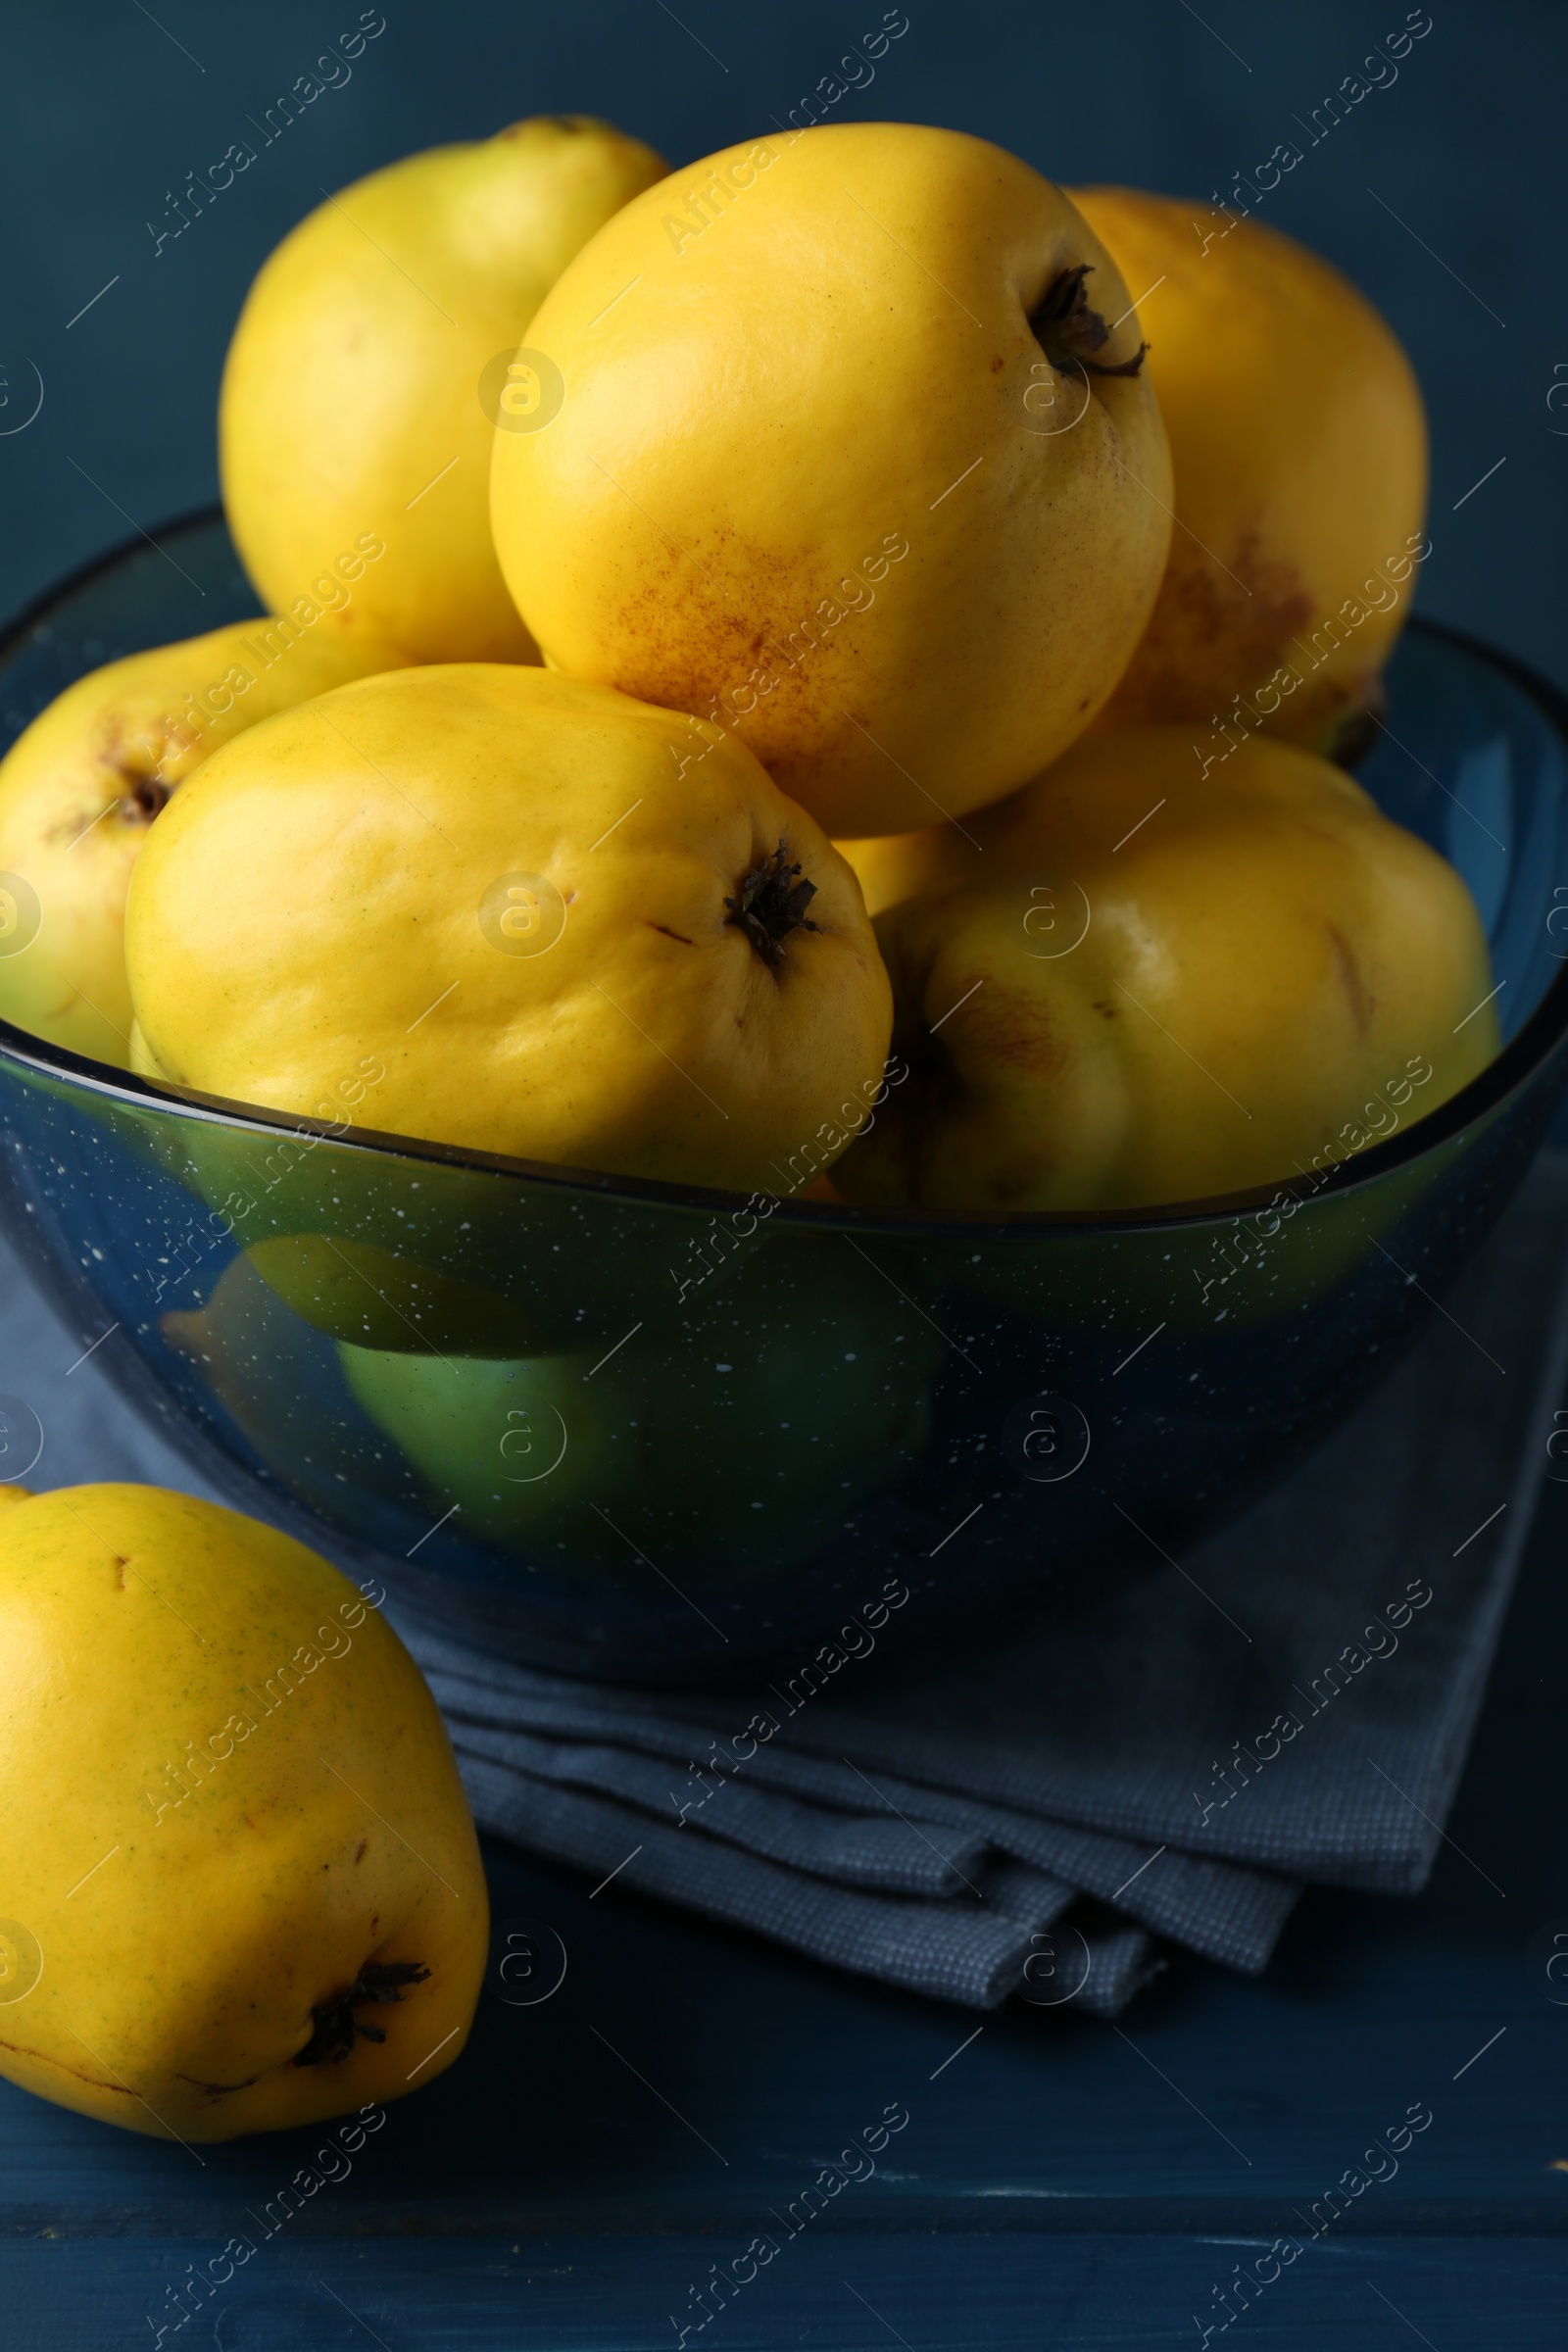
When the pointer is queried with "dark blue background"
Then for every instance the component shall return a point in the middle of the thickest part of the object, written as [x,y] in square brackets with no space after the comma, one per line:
[106,113]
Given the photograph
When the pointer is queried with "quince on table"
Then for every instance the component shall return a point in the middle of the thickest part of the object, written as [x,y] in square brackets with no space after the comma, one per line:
[239,1882]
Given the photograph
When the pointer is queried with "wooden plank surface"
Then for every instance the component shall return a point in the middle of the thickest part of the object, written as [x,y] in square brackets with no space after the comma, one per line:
[1059,2181]
[839,2293]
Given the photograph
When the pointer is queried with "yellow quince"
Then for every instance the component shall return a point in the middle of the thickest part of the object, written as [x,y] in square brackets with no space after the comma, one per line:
[1300,448]
[1135,986]
[552,921]
[246,1891]
[830,399]
[80,786]
[364,381]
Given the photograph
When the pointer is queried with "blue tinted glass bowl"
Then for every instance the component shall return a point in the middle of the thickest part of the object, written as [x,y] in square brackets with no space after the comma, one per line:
[665,1436]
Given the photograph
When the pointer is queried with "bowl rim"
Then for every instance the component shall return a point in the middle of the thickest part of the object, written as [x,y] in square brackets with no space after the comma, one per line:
[1487,1093]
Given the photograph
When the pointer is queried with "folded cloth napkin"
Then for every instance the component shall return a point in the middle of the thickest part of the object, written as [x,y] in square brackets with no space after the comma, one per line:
[1291,1704]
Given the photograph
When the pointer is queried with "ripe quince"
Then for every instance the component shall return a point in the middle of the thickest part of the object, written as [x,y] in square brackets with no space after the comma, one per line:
[564,926]
[1135,986]
[361,390]
[1300,447]
[246,1891]
[833,398]
[80,786]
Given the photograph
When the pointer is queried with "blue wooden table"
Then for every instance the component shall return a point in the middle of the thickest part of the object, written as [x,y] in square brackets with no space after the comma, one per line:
[599,2157]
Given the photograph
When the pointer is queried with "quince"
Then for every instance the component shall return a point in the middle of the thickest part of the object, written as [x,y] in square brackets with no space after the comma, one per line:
[560,924]
[734,1443]
[1137,986]
[832,399]
[246,1893]
[1300,447]
[393,1251]
[80,787]
[358,407]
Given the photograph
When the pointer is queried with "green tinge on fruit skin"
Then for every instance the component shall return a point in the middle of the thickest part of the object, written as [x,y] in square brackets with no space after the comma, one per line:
[731,1443]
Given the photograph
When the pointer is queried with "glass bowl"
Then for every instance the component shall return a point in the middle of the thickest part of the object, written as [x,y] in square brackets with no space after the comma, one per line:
[664,1436]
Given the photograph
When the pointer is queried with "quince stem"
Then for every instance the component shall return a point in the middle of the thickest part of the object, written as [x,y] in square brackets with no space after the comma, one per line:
[1069,332]
[336,2024]
[773,904]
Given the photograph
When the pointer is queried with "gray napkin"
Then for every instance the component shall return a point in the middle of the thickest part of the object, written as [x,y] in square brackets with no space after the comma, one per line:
[1173,1761]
